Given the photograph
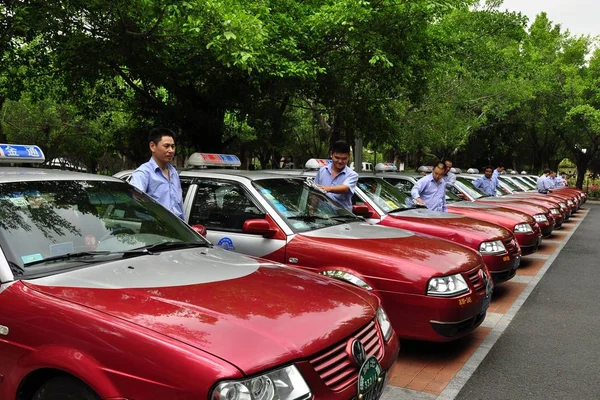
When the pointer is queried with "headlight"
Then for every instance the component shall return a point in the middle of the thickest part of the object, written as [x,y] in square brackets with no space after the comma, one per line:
[283,384]
[447,286]
[384,324]
[540,218]
[495,247]
[563,205]
[347,277]
[570,202]
[555,211]
[523,228]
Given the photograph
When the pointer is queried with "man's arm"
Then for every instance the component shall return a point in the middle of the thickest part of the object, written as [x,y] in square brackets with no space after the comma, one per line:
[450,178]
[415,192]
[478,183]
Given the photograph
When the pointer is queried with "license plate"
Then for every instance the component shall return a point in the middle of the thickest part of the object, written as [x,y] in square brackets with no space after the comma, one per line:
[371,380]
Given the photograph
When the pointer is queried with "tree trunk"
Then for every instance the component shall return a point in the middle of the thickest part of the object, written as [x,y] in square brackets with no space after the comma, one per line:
[581,172]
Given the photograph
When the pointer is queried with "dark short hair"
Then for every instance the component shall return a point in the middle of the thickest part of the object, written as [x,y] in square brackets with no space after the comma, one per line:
[157,134]
[447,159]
[340,147]
[500,165]
[440,164]
[488,167]
[563,173]
[547,171]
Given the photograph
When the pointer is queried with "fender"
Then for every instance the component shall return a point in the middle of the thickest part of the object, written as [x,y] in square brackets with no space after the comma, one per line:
[70,360]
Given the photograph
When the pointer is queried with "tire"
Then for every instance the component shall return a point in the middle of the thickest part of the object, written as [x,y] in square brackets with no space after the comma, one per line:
[65,388]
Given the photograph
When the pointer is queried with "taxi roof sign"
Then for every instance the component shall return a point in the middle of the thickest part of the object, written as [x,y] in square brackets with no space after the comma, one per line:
[456,170]
[316,163]
[213,160]
[472,171]
[386,167]
[425,168]
[21,153]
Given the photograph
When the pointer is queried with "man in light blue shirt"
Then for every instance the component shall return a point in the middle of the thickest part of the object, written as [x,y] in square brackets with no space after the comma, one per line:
[496,174]
[338,180]
[543,182]
[430,191]
[485,183]
[158,177]
[561,180]
[449,176]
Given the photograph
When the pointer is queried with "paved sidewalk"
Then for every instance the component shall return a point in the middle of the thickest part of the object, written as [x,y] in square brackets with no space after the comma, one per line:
[440,370]
[551,348]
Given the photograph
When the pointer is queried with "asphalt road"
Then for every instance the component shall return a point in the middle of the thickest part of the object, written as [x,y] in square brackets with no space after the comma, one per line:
[551,349]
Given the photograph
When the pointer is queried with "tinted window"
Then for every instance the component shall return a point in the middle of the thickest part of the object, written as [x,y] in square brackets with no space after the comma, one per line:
[223,205]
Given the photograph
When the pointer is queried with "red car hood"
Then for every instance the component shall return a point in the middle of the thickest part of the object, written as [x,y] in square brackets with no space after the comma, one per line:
[252,314]
[519,204]
[504,216]
[385,252]
[455,227]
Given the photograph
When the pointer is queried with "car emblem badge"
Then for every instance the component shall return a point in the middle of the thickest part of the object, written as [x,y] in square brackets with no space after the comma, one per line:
[356,352]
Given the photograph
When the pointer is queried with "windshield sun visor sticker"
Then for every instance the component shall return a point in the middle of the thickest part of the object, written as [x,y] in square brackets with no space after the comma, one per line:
[31,258]
[61,248]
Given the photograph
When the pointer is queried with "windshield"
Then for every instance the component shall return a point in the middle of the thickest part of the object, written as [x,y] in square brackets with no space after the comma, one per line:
[386,196]
[524,183]
[511,185]
[302,206]
[466,185]
[452,197]
[49,219]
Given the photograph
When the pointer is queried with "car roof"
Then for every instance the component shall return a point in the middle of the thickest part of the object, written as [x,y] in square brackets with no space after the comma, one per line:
[216,172]
[20,174]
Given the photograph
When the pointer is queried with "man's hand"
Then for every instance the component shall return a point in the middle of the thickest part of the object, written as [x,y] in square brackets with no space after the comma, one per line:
[321,188]
[420,202]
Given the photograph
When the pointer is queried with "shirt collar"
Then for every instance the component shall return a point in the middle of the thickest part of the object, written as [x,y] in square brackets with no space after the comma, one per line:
[155,166]
[330,166]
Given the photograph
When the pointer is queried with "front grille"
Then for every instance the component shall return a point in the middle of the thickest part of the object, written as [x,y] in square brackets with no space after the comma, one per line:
[474,276]
[511,246]
[334,365]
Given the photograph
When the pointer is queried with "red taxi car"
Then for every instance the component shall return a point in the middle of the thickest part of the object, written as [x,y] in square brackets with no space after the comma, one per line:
[432,289]
[104,294]
[542,215]
[511,186]
[526,231]
[382,203]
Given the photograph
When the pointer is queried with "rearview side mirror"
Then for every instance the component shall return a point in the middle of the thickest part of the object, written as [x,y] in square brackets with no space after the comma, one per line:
[361,210]
[200,229]
[258,227]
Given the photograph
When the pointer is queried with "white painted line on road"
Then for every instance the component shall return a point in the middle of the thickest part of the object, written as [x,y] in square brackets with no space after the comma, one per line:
[461,378]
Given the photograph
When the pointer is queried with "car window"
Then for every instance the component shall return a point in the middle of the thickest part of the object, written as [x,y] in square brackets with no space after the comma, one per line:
[41,219]
[185,185]
[303,206]
[222,205]
[386,196]
[404,185]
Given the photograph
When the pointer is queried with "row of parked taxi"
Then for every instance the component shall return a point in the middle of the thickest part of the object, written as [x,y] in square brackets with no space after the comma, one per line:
[106,294]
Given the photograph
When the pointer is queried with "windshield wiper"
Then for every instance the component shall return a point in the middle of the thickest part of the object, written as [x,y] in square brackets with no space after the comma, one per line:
[161,246]
[69,256]
[343,218]
[400,209]
[309,218]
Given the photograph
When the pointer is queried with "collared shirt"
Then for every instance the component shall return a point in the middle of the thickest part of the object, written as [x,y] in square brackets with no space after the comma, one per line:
[486,185]
[495,177]
[450,178]
[150,179]
[553,181]
[543,184]
[346,177]
[431,192]
[561,182]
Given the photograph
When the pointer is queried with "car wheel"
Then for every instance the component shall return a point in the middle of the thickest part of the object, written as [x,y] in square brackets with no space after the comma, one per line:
[65,388]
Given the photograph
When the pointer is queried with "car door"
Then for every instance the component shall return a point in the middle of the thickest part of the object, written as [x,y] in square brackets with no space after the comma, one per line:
[222,207]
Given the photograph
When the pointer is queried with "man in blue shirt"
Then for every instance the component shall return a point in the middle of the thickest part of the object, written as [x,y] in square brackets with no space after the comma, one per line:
[449,177]
[543,182]
[430,191]
[337,179]
[496,174]
[158,177]
[561,180]
[486,183]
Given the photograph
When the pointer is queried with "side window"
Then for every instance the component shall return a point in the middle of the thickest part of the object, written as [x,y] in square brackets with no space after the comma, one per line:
[223,206]
[405,186]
